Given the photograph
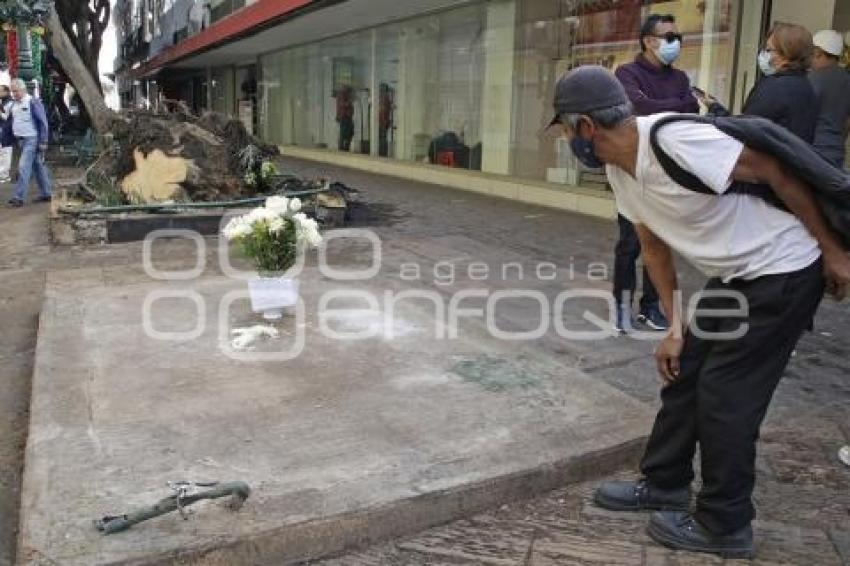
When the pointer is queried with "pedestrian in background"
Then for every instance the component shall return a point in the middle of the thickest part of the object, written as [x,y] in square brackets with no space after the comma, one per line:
[784,94]
[653,85]
[28,124]
[832,86]
[5,77]
[5,151]
[345,116]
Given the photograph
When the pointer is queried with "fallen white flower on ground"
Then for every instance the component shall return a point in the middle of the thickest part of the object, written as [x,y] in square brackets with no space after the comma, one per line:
[244,338]
[844,455]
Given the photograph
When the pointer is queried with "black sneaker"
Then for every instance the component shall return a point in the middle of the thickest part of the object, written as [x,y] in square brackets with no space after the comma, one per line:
[680,531]
[653,318]
[15,203]
[641,496]
[48,198]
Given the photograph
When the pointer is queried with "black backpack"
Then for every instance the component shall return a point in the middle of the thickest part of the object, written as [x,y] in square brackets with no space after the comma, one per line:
[831,185]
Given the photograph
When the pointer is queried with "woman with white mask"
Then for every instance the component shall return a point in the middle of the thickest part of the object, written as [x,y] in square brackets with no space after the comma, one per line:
[784,94]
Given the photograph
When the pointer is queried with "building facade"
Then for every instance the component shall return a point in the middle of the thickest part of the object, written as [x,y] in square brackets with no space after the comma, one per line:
[458,84]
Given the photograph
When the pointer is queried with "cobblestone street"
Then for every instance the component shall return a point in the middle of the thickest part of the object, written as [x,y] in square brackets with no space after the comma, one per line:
[803,491]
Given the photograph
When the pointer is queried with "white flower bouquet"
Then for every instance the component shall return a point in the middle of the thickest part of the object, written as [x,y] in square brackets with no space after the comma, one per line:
[272,234]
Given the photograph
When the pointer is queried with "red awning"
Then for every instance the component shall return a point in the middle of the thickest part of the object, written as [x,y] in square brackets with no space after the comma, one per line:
[241,23]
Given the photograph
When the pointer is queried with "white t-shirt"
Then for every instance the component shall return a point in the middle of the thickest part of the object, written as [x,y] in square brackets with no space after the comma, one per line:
[730,236]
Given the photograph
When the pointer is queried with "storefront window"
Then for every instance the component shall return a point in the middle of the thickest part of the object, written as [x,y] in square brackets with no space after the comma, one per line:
[440,77]
[424,102]
[472,87]
[220,9]
[243,101]
[387,65]
[319,95]
[223,90]
[557,36]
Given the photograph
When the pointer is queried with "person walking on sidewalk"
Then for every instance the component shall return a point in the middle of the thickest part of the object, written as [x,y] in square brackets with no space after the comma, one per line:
[832,86]
[653,85]
[5,151]
[28,124]
[770,265]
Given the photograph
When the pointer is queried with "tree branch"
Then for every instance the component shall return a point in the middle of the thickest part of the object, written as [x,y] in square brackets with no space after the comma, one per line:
[79,71]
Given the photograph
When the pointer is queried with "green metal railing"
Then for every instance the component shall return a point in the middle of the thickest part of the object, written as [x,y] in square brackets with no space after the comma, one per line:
[177,207]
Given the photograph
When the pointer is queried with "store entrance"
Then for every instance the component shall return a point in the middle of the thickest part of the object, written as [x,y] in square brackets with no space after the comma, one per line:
[813,14]
[246,97]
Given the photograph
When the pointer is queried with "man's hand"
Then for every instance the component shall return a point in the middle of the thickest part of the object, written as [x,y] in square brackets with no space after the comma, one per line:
[754,166]
[705,99]
[667,355]
[836,270]
[42,148]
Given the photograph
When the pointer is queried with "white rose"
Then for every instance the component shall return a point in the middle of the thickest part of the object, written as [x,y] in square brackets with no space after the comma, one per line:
[279,204]
[237,227]
[276,225]
[307,229]
[264,215]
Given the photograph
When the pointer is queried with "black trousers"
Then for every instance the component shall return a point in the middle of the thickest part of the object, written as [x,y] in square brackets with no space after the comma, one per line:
[724,389]
[383,142]
[346,133]
[625,272]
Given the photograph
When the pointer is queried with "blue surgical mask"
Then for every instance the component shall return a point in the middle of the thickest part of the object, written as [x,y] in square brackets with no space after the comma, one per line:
[765,64]
[585,152]
[668,52]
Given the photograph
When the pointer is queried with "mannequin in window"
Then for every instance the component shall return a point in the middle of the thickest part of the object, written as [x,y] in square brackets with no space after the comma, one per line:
[345,116]
[385,118]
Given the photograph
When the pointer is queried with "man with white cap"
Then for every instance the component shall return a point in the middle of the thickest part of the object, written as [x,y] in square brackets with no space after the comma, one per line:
[832,85]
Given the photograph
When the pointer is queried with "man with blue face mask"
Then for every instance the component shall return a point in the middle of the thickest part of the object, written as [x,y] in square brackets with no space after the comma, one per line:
[768,268]
[652,85]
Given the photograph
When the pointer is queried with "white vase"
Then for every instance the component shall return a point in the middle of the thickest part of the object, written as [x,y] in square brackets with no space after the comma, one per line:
[273,295]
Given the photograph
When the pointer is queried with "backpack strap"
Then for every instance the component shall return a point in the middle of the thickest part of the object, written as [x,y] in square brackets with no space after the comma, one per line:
[674,170]
[690,181]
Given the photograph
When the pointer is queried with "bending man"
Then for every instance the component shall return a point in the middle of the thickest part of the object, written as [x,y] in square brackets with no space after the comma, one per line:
[718,381]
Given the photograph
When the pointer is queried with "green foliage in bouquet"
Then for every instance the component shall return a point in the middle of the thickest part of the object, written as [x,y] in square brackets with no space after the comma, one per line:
[272,252]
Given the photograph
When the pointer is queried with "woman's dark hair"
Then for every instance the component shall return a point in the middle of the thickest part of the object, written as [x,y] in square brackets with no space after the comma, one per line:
[794,43]
[648,27]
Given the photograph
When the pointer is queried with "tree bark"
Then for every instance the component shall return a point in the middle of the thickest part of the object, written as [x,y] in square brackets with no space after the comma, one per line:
[79,73]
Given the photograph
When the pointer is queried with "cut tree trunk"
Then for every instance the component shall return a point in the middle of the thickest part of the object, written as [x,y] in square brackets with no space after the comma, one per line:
[80,75]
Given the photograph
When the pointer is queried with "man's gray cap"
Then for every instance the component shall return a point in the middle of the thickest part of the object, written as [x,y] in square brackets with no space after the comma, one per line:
[585,89]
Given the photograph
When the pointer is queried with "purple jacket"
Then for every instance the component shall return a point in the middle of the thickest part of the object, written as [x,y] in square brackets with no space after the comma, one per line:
[656,89]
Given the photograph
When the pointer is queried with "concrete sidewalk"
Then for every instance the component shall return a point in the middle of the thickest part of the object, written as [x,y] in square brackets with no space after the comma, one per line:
[803,492]
[351,441]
